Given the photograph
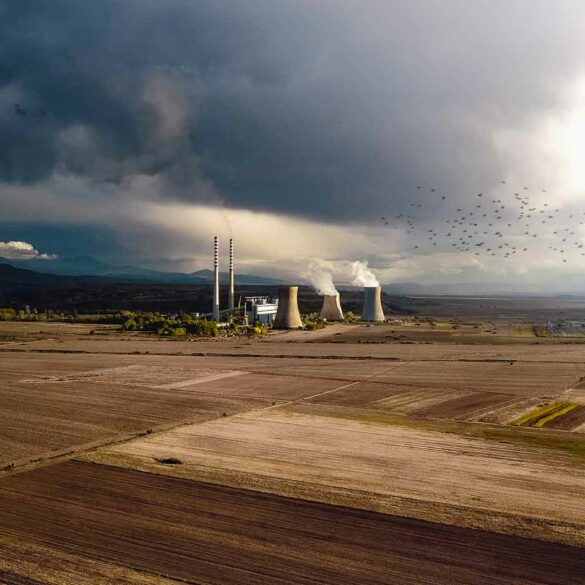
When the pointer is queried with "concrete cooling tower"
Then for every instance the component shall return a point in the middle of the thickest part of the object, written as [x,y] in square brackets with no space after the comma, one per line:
[331,310]
[372,310]
[287,314]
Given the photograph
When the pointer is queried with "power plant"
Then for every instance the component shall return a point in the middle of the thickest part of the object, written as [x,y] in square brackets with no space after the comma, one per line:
[287,314]
[372,310]
[331,310]
[284,313]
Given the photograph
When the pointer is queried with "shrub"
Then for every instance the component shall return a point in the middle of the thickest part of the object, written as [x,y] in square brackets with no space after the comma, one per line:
[203,327]
[260,328]
[540,330]
[349,316]
[130,325]
[7,314]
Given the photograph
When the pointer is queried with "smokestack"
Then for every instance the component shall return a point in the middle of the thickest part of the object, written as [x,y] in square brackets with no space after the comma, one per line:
[331,310]
[287,314]
[215,279]
[231,276]
[372,310]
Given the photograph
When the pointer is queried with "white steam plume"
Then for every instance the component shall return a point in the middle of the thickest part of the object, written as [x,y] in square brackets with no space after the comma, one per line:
[320,279]
[361,275]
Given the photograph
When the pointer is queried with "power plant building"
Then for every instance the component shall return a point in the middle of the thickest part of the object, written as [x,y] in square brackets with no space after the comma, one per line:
[261,309]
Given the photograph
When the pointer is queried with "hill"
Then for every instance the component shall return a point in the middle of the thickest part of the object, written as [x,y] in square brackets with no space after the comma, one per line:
[89,266]
[13,277]
[20,287]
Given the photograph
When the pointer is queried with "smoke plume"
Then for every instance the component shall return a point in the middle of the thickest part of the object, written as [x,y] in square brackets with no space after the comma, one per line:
[361,275]
[321,280]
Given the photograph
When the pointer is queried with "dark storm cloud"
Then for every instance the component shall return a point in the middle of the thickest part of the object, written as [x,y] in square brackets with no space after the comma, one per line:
[334,110]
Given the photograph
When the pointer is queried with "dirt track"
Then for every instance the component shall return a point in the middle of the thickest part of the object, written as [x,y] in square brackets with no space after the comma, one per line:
[221,536]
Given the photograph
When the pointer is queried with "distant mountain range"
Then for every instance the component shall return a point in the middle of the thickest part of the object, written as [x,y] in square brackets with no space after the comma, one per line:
[89,266]
[13,277]
[86,269]
[456,289]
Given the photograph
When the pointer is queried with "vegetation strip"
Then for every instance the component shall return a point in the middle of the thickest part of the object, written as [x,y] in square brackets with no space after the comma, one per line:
[534,415]
[555,414]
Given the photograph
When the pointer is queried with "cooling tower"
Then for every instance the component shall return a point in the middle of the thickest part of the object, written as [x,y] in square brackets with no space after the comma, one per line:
[231,277]
[331,310]
[215,279]
[287,314]
[372,310]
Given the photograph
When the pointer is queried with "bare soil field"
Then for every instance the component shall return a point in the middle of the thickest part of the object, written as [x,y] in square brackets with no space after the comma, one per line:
[51,403]
[269,386]
[149,528]
[362,394]
[27,331]
[422,332]
[397,470]
[555,350]
[43,420]
[400,435]
[28,365]
[434,403]
[467,406]
[25,563]
[519,378]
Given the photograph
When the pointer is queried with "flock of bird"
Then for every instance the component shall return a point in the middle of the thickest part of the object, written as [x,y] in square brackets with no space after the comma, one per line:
[488,226]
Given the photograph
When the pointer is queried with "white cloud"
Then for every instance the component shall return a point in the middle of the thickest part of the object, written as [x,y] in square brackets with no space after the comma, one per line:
[16,250]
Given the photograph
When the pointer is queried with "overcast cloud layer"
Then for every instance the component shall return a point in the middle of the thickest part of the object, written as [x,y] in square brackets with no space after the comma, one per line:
[134,130]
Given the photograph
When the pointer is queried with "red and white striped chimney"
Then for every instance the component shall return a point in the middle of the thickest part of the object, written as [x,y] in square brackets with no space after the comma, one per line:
[231,276]
[215,279]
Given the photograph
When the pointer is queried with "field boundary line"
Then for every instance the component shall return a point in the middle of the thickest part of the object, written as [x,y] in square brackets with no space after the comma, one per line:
[211,354]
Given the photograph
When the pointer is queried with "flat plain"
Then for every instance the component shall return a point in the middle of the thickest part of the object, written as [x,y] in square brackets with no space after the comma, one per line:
[350,456]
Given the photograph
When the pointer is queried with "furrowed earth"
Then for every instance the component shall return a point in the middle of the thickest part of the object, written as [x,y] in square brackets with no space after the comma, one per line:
[398,453]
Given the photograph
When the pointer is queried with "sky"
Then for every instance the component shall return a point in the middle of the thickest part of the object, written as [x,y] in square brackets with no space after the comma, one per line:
[135,130]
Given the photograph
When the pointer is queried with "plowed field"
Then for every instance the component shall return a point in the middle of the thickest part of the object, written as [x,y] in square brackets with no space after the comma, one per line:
[143,524]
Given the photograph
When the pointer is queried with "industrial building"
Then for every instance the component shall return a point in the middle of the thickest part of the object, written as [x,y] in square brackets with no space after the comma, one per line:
[261,309]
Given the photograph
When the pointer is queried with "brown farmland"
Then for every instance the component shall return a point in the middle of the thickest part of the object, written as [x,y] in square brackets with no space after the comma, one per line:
[292,459]
[570,421]
[197,533]
[374,466]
